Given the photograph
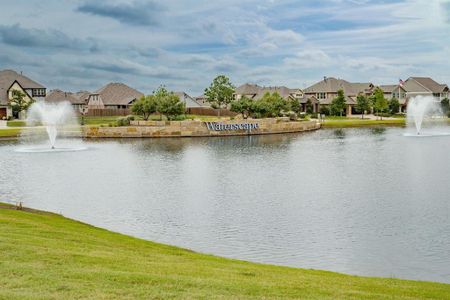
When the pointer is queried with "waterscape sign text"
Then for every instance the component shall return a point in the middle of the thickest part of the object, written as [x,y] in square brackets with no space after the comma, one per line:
[217,126]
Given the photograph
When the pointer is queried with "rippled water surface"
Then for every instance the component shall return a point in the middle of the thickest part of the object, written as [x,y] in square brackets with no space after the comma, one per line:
[359,201]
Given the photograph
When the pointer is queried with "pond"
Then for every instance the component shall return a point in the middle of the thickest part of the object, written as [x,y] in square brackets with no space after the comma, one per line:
[360,201]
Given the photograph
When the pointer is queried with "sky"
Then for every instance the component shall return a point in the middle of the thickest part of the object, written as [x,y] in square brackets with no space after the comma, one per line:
[84,44]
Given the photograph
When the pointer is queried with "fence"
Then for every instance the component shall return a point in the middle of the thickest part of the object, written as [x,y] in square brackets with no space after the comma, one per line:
[207,111]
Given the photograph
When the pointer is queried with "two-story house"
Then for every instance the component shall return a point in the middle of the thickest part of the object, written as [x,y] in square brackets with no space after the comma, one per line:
[11,81]
[415,86]
[324,91]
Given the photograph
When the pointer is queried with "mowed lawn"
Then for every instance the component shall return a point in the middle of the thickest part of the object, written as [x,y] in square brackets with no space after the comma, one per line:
[353,122]
[46,256]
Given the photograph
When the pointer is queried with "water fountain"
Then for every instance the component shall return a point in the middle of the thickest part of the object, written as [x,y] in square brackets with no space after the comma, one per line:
[57,119]
[422,108]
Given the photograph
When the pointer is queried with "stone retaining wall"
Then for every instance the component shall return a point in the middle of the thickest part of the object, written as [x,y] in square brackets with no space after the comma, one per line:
[154,129]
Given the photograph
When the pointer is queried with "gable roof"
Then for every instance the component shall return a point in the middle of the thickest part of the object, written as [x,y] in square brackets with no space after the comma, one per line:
[116,93]
[7,78]
[388,88]
[332,85]
[188,100]
[427,84]
[59,96]
[256,92]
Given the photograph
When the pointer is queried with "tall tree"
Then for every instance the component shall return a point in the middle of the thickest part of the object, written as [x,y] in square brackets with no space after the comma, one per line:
[445,106]
[244,106]
[338,104]
[171,106]
[19,103]
[380,104]
[145,106]
[295,105]
[309,107]
[394,105]
[220,91]
[362,104]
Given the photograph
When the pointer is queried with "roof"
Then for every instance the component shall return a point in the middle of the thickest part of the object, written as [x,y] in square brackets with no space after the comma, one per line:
[117,94]
[425,84]
[188,100]
[388,88]
[73,98]
[7,78]
[256,92]
[332,85]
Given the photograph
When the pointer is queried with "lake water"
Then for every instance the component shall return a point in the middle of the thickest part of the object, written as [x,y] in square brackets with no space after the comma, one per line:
[359,201]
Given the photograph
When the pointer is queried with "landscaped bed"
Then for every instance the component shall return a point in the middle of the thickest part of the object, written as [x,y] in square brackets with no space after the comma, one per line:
[45,255]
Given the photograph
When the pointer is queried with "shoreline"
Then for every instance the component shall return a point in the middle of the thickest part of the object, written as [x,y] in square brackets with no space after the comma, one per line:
[88,260]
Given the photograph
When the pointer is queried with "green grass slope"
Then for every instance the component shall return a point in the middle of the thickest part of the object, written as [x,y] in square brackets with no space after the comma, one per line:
[46,256]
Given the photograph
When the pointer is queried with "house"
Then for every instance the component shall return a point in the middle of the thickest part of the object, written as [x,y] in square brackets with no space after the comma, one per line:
[11,81]
[415,86]
[256,92]
[113,95]
[78,100]
[188,100]
[324,91]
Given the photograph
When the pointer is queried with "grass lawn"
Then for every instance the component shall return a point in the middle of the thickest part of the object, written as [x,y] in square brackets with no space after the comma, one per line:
[10,132]
[16,123]
[45,255]
[347,122]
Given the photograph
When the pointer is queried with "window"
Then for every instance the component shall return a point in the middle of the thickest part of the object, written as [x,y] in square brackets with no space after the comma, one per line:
[38,92]
[321,95]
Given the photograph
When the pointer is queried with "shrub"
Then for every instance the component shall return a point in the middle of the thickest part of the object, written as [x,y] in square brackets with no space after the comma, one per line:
[324,110]
[314,115]
[293,116]
[124,121]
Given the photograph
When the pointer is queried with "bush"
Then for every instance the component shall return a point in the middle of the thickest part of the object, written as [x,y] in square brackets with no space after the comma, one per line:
[314,115]
[302,115]
[324,110]
[293,116]
[124,121]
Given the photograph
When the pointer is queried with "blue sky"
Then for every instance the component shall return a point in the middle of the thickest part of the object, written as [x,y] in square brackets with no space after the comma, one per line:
[82,45]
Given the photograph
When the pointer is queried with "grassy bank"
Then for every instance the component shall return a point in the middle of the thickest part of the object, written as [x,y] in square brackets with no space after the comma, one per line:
[10,132]
[48,256]
[335,123]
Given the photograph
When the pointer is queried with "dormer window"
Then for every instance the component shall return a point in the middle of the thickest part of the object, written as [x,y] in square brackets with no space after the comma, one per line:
[38,92]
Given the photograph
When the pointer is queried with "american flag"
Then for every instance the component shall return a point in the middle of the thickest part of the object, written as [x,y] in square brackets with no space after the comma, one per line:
[401,82]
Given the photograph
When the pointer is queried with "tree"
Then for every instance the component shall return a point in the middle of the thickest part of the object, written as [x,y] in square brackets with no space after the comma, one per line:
[145,106]
[244,106]
[295,105]
[380,103]
[338,103]
[362,104]
[220,92]
[309,107]
[445,106]
[171,106]
[19,103]
[270,105]
[394,105]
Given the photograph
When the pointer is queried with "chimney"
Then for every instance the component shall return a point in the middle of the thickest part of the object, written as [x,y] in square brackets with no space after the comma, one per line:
[325,78]
[20,72]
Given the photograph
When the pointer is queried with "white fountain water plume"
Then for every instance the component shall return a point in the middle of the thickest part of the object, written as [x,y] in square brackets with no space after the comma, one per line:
[58,119]
[422,108]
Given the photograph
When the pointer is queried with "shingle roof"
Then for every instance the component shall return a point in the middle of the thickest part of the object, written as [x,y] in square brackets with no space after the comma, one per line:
[388,88]
[256,92]
[332,85]
[7,78]
[59,96]
[188,100]
[428,84]
[118,94]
